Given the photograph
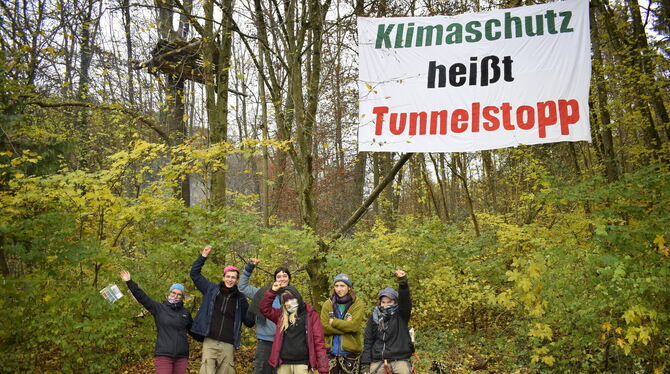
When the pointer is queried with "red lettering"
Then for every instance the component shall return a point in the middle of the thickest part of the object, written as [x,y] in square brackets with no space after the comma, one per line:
[529,121]
[442,116]
[506,109]
[568,118]
[475,117]
[545,119]
[379,122]
[494,122]
[423,118]
[398,128]
[459,120]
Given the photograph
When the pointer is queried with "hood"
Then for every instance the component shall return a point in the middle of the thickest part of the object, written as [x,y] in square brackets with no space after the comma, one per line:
[294,291]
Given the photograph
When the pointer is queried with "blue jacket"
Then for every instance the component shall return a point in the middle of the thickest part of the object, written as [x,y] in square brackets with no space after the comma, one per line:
[210,291]
[265,329]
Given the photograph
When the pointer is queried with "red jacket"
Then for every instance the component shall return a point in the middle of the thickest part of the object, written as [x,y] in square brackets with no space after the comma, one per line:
[318,358]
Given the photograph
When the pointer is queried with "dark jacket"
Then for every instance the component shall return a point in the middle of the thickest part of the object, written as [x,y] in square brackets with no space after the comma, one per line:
[394,343]
[172,322]
[318,359]
[210,291]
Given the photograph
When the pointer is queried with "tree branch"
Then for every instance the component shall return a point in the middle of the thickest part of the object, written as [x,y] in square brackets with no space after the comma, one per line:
[152,124]
[373,196]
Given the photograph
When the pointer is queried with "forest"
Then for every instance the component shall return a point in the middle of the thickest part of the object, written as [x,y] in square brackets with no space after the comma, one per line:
[134,133]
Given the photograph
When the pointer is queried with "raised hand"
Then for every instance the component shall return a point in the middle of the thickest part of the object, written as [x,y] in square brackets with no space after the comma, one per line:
[276,286]
[125,275]
[400,273]
[206,250]
[254,261]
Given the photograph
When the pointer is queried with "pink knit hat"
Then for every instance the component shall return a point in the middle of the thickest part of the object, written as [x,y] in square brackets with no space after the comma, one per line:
[230,268]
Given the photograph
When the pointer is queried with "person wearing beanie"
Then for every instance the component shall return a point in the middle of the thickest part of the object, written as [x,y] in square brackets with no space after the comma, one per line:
[265,328]
[342,321]
[172,323]
[387,345]
[298,346]
[218,322]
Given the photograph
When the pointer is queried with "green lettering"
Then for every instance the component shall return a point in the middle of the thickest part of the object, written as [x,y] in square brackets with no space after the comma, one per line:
[488,29]
[429,35]
[384,36]
[472,28]
[565,22]
[455,34]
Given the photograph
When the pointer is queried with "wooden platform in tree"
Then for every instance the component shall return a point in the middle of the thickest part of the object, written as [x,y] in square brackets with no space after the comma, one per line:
[179,58]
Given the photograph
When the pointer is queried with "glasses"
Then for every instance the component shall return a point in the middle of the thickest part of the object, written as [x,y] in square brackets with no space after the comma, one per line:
[179,294]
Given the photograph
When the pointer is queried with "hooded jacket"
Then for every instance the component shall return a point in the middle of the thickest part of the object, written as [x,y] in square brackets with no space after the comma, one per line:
[172,323]
[394,343]
[203,320]
[318,359]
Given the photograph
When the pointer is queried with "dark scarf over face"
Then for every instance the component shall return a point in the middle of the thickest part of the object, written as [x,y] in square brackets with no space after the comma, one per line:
[382,315]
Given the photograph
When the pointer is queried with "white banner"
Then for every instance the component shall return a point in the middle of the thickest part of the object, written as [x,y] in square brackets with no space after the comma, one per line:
[475,81]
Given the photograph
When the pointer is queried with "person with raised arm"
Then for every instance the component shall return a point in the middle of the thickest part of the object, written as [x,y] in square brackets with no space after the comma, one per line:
[387,345]
[265,328]
[220,317]
[299,344]
[172,323]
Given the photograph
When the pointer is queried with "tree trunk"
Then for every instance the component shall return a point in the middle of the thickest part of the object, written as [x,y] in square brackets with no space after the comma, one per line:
[174,92]
[460,174]
[429,187]
[440,177]
[646,64]
[611,169]
[125,6]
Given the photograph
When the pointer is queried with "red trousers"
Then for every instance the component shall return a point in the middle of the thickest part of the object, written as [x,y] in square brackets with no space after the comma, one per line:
[170,365]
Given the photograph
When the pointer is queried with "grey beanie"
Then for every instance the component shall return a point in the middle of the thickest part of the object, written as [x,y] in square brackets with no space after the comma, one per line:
[343,278]
[388,292]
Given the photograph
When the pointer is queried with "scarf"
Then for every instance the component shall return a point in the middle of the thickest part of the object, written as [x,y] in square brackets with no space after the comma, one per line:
[347,300]
[381,316]
[173,300]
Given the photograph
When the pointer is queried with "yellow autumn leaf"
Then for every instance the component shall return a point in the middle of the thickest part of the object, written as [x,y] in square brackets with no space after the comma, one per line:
[549,360]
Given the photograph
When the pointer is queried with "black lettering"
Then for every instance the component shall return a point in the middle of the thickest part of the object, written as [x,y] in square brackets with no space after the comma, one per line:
[507,69]
[442,80]
[495,69]
[455,71]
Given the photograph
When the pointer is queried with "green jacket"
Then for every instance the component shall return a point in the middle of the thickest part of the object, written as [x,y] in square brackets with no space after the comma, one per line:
[351,331]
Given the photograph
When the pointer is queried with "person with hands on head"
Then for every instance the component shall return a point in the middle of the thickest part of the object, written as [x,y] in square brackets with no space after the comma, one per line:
[172,323]
[387,346]
[299,343]
[219,320]
[265,328]
[342,320]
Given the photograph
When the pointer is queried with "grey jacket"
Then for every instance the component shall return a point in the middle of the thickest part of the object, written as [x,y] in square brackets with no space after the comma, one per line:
[265,329]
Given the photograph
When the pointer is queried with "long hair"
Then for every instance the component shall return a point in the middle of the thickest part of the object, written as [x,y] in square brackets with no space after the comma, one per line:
[287,318]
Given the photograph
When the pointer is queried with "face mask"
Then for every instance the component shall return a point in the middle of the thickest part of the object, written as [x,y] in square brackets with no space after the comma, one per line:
[389,308]
[292,305]
[173,300]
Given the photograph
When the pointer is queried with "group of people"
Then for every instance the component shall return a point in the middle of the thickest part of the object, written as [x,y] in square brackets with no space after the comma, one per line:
[292,336]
